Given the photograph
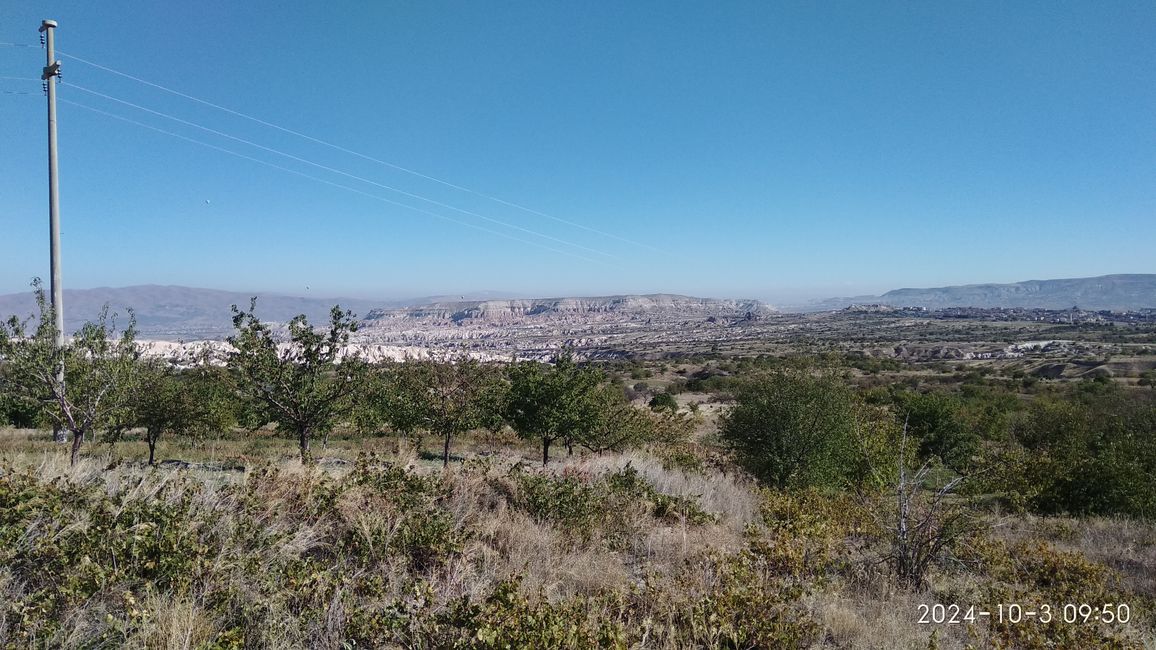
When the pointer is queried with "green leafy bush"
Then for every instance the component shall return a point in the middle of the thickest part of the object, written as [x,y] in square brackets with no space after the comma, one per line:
[936,421]
[793,429]
[1090,453]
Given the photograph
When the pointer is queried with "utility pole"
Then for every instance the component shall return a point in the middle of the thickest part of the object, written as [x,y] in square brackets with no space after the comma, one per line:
[51,72]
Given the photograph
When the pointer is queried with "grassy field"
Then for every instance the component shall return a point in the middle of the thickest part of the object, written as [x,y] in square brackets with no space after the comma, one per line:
[378,547]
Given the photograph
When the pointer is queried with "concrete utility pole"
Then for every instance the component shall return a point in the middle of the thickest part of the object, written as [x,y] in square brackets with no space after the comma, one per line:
[51,72]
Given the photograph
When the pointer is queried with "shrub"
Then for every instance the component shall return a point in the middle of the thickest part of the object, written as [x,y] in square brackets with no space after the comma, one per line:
[417,527]
[1035,572]
[935,419]
[508,619]
[747,604]
[792,429]
[583,506]
[663,402]
[1091,455]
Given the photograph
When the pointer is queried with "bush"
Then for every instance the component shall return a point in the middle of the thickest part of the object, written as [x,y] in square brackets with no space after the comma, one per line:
[19,413]
[663,402]
[419,530]
[1094,454]
[1035,572]
[508,619]
[583,506]
[747,605]
[792,429]
[935,419]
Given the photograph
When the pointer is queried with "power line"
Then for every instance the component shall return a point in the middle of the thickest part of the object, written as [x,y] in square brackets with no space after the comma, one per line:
[361,155]
[16,45]
[338,171]
[329,182]
[21,78]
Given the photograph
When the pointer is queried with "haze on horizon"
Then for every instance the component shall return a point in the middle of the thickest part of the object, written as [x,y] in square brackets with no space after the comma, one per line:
[784,153]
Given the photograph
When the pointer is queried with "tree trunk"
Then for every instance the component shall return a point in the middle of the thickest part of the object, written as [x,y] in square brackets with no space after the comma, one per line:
[325,441]
[303,443]
[152,440]
[545,451]
[77,439]
[59,434]
[446,452]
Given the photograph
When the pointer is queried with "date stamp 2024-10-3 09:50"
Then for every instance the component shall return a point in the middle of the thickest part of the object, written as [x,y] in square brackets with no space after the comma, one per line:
[1068,613]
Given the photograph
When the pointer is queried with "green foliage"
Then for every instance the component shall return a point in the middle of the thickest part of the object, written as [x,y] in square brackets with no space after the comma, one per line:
[17,412]
[793,429]
[123,540]
[1036,572]
[96,367]
[663,402]
[299,385]
[446,397]
[935,420]
[749,604]
[805,531]
[508,619]
[1091,453]
[722,377]
[191,402]
[879,446]
[503,618]
[872,365]
[614,424]
[420,530]
[583,505]
[628,483]
[555,402]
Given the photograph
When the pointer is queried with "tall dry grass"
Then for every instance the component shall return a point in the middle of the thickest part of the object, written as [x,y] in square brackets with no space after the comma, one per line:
[295,557]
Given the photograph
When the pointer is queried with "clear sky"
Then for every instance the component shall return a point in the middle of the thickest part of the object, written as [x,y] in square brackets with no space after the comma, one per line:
[764,149]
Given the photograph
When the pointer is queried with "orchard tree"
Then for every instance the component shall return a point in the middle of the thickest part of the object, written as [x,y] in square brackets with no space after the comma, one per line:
[373,399]
[450,397]
[614,423]
[186,402]
[16,412]
[96,364]
[550,403]
[303,384]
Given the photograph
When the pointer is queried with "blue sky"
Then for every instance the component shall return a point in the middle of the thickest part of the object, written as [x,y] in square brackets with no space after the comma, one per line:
[778,150]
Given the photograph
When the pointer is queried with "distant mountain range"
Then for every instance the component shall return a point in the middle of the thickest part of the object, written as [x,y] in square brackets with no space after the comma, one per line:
[663,304]
[174,312]
[1114,292]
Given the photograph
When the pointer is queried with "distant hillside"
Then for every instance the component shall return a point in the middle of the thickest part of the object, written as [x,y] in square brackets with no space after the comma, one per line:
[1116,292]
[179,312]
[667,305]
[173,312]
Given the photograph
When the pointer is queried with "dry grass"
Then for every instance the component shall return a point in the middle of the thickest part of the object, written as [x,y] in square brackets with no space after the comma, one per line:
[730,497]
[1126,545]
[858,624]
[656,574]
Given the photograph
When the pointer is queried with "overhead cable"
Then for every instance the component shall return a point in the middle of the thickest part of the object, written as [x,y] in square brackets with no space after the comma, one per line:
[358,154]
[329,182]
[338,171]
